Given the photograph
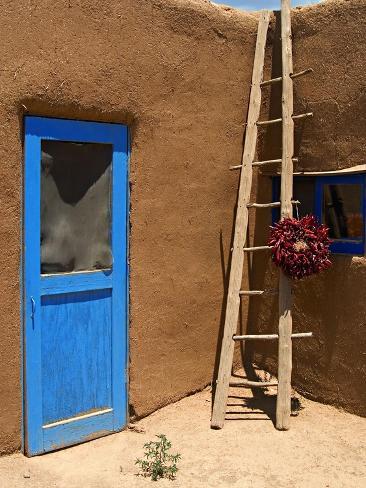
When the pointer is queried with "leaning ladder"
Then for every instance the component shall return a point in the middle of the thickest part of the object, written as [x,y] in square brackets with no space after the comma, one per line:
[284,336]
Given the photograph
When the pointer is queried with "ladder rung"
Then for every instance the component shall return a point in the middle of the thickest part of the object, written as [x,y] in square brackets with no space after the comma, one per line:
[270,161]
[302,73]
[276,121]
[302,116]
[271,81]
[269,337]
[268,122]
[256,384]
[263,205]
[294,75]
[272,204]
[257,248]
[251,292]
[260,163]
[256,292]
[299,335]
[252,337]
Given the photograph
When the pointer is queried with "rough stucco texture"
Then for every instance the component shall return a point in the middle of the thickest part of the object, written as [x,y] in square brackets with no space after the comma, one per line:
[178,73]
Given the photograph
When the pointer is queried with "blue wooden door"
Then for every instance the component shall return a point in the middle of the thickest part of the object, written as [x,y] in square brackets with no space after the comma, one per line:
[75,281]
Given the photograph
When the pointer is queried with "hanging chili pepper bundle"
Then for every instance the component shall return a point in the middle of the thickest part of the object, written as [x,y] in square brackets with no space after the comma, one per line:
[300,247]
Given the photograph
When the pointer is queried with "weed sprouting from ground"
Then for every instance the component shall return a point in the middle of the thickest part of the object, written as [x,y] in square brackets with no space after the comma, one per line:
[157,462]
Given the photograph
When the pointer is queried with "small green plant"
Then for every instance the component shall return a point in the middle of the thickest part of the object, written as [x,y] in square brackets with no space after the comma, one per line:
[157,462]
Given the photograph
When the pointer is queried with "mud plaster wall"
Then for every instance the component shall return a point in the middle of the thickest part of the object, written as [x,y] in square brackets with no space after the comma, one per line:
[330,38]
[178,74]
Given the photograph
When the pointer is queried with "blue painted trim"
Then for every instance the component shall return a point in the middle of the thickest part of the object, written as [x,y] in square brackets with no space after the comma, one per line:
[22,315]
[76,432]
[37,128]
[318,198]
[127,292]
[119,290]
[32,346]
[338,246]
[76,131]
[74,282]
[342,246]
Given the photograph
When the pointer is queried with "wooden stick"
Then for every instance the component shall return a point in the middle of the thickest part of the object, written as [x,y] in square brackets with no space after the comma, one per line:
[359,168]
[256,292]
[260,163]
[255,384]
[256,248]
[268,122]
[270,161]
[272,204]
[283,407]
[294,75]
[257,163]
[241,226]
[301,73]
[302,116]
[271,81]
[276,121]
[300,335]
[264,205]
[251,292]
[250,337]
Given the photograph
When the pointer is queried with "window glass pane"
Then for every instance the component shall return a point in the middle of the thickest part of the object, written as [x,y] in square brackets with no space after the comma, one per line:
[342,210]
[304,191]
[75,206]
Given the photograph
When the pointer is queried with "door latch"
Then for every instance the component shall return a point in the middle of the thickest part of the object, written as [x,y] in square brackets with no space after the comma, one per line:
[33,312]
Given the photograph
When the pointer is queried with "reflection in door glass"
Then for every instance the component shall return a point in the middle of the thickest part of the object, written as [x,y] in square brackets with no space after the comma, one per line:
[75,206]
[342,211]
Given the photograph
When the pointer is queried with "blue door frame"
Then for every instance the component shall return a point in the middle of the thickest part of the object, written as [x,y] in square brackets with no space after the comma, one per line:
[51,301]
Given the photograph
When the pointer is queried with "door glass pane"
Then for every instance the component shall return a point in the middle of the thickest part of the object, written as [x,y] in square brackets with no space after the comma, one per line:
[75,206]
[342,211]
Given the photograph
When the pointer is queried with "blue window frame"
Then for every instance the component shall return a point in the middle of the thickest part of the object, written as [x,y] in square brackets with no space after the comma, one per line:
[339,202]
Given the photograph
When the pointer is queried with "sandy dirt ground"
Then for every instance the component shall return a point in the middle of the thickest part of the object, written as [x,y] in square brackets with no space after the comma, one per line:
[324,448]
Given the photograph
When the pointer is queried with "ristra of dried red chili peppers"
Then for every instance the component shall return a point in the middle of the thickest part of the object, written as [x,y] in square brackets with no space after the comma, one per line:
[300,247]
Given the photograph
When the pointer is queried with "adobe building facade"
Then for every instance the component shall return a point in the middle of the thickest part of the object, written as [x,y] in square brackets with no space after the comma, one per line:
[177,75]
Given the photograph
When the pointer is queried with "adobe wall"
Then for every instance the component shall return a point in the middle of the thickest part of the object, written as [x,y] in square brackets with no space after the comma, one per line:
[178,73]
[331,367]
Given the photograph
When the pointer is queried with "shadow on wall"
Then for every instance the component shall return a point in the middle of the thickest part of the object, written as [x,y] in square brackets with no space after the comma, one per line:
[225,278]
[225,269]
[329,367]
[269,147]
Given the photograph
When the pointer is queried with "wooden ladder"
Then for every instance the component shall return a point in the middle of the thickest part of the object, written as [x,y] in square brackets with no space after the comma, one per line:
[285,335]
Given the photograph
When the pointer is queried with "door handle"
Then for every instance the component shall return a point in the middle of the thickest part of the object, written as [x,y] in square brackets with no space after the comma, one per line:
[33,312]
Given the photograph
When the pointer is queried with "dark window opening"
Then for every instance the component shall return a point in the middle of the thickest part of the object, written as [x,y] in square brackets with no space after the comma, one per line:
[342,211]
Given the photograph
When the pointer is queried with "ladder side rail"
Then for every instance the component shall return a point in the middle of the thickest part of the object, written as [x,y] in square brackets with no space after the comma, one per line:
[283,407]
[241,225]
